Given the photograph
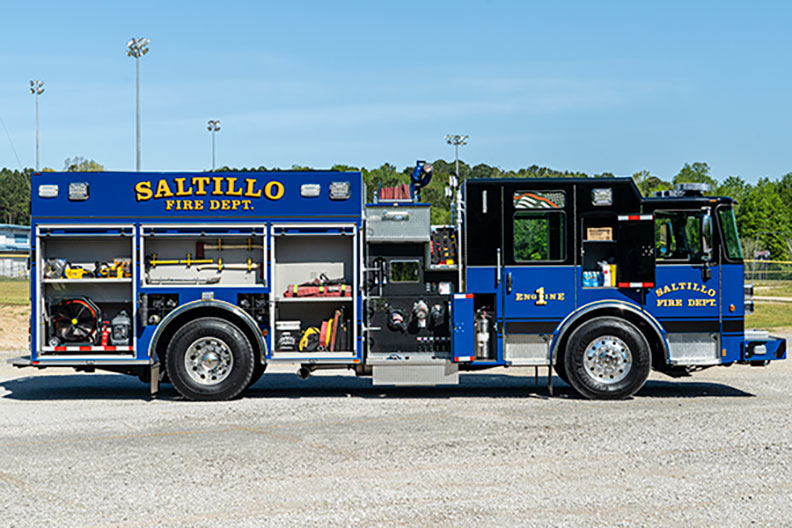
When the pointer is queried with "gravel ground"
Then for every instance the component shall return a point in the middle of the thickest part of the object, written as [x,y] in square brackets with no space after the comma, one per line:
[91,450]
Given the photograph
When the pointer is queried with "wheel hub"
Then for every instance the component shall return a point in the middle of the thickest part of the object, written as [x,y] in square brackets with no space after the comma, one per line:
[608,359]
[208,360]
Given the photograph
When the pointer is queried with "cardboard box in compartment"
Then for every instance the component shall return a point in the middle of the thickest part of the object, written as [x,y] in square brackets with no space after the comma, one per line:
[599,233]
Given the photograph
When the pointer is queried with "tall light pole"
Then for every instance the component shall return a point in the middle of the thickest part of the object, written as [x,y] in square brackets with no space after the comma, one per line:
[457,140]
[37,88]
[213,127]
[136,48]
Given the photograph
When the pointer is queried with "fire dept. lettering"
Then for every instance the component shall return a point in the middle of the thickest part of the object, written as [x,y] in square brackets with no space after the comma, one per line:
[219,186]
[685,286]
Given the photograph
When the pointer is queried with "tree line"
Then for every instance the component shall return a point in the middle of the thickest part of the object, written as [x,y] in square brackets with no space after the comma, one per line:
[764,215]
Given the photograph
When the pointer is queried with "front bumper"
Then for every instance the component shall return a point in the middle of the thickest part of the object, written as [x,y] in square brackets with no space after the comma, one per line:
[763,348]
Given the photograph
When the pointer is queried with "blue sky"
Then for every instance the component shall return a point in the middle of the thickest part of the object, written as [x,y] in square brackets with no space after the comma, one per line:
[589,86]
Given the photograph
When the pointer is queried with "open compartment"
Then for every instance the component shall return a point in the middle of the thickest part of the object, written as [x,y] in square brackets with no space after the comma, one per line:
[599,251]
[85,290]
[186,256]
[314,283]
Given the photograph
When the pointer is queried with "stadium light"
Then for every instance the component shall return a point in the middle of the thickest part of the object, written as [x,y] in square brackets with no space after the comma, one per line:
[136,48]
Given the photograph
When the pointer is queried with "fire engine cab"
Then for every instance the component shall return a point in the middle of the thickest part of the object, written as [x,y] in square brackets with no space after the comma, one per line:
[205,279]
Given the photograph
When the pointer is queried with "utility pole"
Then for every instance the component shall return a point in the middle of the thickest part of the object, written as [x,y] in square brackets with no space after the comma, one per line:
[213,127]
[37,88]
[136,48]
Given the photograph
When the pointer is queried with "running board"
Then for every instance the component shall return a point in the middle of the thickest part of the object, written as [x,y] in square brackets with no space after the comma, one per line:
[446,373]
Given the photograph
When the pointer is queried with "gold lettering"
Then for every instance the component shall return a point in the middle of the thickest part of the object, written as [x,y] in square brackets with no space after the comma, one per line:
[199,205]
[200,183]
[247,205]
[249,183]
[188,205]
[659,292]
[273,190]
[225,205]
[180,190]
[231,189]
[214,205]
[218,185]
[143,190]
[540,301]
[163,191]
[235,204]
[169,204]
[711,292]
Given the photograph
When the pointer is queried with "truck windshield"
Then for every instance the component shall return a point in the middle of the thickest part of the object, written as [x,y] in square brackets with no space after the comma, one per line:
[682,236]
[731,238]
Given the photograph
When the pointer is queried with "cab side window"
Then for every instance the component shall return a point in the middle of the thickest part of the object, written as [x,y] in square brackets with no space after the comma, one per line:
[539,226]
[682,236]
[539,237]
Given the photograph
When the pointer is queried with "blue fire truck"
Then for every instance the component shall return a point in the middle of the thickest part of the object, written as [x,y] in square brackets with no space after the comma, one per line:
[205,279]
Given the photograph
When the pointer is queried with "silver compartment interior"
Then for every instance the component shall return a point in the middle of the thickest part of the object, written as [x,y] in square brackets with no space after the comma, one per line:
[234,272]
[299,258]
[84,249]
[303,258]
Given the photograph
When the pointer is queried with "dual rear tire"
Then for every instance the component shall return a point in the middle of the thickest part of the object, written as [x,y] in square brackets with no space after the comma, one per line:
[211,359]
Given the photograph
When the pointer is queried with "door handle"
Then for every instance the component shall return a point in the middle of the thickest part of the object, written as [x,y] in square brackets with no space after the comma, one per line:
[508,282]
[706,272]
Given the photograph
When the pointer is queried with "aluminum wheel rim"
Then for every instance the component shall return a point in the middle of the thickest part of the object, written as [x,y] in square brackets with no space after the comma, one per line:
[608,360]
[208,361]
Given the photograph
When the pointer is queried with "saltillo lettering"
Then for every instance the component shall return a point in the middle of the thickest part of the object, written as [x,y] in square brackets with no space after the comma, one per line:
[207,186]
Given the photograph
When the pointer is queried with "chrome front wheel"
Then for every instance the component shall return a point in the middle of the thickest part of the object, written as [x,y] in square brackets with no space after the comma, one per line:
[607,359]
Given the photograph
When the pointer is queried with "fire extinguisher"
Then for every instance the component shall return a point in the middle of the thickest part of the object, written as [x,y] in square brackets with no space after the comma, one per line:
[105,332]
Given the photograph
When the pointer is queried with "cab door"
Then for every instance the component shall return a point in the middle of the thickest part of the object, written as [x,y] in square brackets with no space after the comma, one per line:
[538,274]
[686,299]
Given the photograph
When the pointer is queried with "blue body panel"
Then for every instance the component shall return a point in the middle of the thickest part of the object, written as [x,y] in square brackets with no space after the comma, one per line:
[259,195]
[537,292]
[218,203]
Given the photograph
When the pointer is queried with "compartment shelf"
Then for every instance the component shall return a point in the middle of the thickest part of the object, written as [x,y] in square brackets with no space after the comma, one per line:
[89,348]
[85,281]
[313,299]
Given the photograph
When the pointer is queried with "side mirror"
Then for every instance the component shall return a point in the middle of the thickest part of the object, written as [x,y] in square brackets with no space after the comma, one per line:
[706,235]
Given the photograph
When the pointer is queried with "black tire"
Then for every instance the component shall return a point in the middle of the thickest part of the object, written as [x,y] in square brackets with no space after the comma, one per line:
[258,371]
[560,370]
[210,359]
[607,359]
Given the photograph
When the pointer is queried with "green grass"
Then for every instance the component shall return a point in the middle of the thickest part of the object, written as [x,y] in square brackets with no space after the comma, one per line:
[14,291]
[773,288]
[770,315]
